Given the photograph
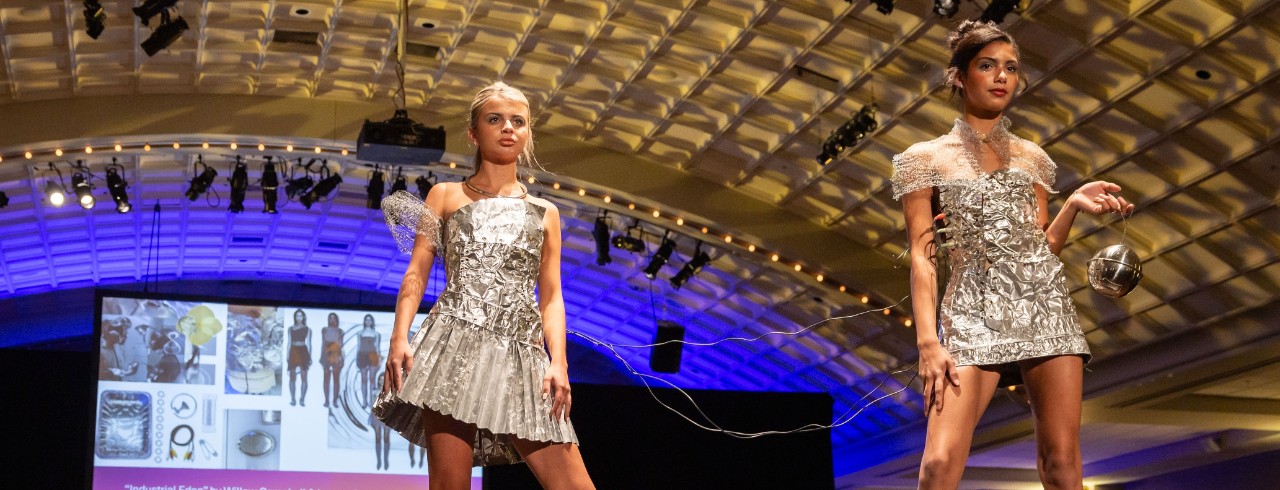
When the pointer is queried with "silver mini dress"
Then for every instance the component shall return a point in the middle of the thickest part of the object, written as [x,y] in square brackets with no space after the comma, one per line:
[1006,299]
[479,356]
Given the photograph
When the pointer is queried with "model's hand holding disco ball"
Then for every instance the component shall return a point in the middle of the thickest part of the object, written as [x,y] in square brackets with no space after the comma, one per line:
[1114,271]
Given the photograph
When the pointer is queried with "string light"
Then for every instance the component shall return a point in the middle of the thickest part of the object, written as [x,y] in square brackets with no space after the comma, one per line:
[27,154]
[146,147]
[262,147]
[842,288]
[728,238]
[58,152]
[680,221]
[656,214]
[704,229]
[631,206]
[118,147]
[907,323]
[176,145]
[344,152]
[451,164]
[582,192]
[751,248]
[204,145]
[819,278]
[555,186]
[317,149]
[797,267]
[774,258]
[886,312]
[865,299]
[233,145]
[288,147]
[608,199]
[88,149]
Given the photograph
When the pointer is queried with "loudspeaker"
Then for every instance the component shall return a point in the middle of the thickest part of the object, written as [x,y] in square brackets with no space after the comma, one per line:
[665,358]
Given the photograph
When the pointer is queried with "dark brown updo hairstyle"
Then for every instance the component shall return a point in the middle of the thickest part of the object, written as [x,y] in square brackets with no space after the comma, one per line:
[966,41]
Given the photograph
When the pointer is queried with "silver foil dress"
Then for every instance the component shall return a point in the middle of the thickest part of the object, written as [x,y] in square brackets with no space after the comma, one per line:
[479,356]
[1006,299]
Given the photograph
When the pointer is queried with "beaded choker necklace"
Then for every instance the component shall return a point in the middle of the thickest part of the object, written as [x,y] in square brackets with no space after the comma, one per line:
[524,191]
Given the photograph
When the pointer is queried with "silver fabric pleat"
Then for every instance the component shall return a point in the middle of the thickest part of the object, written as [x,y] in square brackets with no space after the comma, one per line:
[1006,299]
[479,356]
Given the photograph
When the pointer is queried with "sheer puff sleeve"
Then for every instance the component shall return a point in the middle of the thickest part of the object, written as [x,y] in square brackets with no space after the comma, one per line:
[409,217]
[1042,170]
[913,170]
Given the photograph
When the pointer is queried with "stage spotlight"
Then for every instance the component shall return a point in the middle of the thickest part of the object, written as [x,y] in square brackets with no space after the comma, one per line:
[201,183]
[321,190]
[691,268]
[375,190]
[84,191]
[660,257]
[883,6]
[630,241]
[4,199]
[165,35]
[55,193]
[399,183]
[94,18]
[239,185]
[150,8]
[424,183]
[118,188]
[998,9]
[270,182]
[601,235]
[946,8]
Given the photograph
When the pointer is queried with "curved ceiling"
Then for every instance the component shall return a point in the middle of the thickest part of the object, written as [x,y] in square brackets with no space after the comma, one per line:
[712,112]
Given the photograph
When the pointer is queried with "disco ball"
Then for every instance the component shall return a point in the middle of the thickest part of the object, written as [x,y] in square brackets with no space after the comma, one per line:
[1114,271]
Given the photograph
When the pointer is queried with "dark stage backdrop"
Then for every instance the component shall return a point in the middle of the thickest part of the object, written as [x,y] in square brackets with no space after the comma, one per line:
[628,441]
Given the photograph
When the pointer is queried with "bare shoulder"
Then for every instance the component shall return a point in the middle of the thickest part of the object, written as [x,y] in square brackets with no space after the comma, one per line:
[546,205]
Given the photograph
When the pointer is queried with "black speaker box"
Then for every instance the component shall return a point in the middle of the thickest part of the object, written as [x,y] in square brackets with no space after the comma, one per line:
[665,358]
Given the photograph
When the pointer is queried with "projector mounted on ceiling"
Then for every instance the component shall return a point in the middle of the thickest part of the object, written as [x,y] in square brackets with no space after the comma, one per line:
[400,141]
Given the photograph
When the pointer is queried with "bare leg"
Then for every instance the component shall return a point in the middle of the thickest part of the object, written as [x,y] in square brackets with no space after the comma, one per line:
[950,432]
[377,445]
[328,371]
[1054,385]
[303,398]
[557,465]
[293,381]
[448,451]
[386,446]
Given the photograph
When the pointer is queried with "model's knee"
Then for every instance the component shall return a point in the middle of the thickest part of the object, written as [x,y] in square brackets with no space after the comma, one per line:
[1060,468]
[937,465]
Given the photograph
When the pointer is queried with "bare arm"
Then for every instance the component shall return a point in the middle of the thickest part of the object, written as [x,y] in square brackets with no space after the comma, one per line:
[1093,198]
[412,287]
[937,368]
[551,304]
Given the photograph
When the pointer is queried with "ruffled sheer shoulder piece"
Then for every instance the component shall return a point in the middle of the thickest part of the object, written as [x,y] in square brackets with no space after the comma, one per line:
[914,169]
[1040,166]
[408,218]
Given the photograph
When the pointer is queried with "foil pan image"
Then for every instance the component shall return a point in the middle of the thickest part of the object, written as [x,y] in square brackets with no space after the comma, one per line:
[124,425]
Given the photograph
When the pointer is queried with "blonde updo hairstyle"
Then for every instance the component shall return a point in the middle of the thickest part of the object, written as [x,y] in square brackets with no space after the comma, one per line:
[500,90]
[966,41]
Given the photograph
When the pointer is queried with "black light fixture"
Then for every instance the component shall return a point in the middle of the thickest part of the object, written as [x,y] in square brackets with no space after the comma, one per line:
[200,183]
[118,187]
[691,268]
[239,186]
[883,6]
[54,190]
[600,232]
[323,188]
[946,8]
[151,8]
[295,187]
[4,200]
[270,184]
[630,240]
[375,189]
[82,187]
[998,9]
[165,35]
[424,183]
[94,18]
[849,133]
[399,183]
[660,257]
